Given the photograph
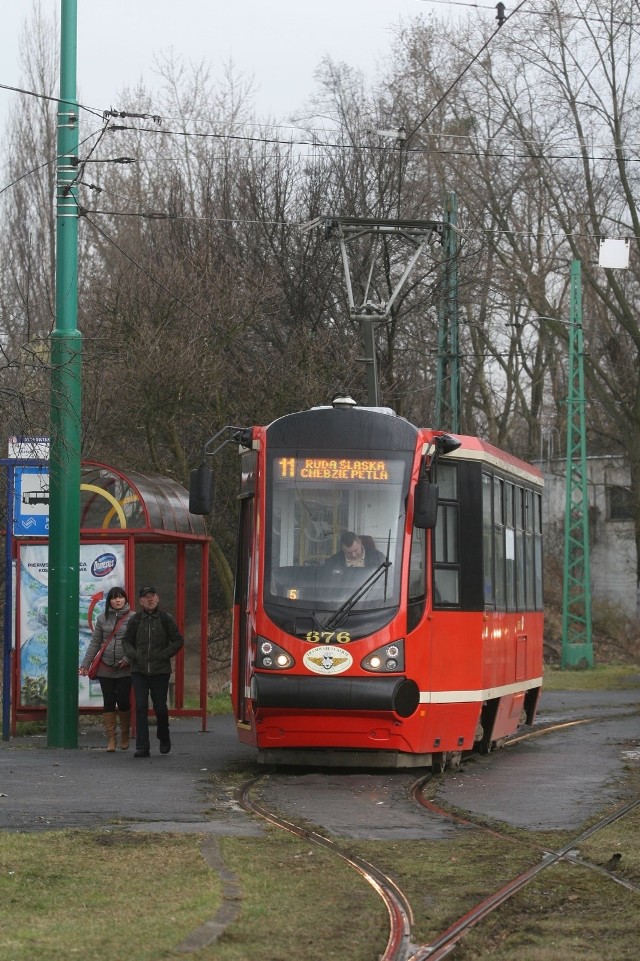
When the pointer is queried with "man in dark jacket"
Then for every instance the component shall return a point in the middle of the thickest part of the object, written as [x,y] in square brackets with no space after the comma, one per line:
[353,553]
[152,638]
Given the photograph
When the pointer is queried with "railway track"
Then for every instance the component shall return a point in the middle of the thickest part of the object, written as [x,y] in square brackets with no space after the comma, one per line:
[399,946]
[398,907]
[444,943]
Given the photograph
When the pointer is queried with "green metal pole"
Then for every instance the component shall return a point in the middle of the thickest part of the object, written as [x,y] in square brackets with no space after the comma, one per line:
[66,377]
[577,648]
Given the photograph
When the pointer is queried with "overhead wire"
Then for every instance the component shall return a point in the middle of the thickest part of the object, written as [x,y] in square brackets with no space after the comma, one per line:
[541,13]
[104,113]
[502,154]
[315,142]
[293,224]
[501,21]
[142,269]
[47,163]
[44,96]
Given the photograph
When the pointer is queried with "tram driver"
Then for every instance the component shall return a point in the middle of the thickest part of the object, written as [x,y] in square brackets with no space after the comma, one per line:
[354,553]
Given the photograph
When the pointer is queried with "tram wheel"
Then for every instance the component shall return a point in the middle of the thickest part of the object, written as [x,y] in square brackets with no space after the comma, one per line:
[438,763]
[454,760]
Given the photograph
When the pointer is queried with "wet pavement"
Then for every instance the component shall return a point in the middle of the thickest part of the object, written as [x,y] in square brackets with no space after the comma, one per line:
[551,782]
[554,782]
[44,788]
[561,779]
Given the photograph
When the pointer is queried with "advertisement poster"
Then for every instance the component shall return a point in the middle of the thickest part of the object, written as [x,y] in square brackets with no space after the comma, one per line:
[102,566]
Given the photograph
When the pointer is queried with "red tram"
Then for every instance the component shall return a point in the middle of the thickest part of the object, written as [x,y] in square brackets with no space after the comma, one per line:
[411,638]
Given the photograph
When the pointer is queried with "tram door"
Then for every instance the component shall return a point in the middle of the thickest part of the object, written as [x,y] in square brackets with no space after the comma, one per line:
[244,569]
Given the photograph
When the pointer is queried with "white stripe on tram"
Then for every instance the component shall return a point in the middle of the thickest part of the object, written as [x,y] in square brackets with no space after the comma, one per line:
[458,697]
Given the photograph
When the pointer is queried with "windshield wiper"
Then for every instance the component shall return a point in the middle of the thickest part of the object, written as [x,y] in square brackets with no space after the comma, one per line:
[357,595]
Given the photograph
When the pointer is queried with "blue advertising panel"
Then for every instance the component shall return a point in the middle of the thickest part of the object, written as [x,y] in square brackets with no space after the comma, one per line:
[102,566]
[31,502]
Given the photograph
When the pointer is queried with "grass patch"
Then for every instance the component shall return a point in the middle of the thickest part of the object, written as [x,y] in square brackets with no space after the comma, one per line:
[219,704]
[299,901]
[85,894]
[93,895]
[443,879]
[622,838]
[566,912]
[30,728]
[216,704]
[601,677]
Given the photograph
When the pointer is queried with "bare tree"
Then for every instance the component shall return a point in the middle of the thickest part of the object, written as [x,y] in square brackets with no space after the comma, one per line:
[547,167]
[27,281]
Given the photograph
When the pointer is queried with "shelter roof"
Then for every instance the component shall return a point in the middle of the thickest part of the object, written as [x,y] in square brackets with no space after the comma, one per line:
[112,500]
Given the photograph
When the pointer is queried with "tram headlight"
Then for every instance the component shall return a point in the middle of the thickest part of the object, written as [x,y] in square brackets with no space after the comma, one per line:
[387,659]
[272,657]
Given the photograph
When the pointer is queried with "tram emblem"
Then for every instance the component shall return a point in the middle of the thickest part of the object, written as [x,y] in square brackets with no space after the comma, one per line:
[327,660]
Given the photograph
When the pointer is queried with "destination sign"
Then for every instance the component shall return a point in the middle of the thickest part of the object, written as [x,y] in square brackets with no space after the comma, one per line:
[338,469]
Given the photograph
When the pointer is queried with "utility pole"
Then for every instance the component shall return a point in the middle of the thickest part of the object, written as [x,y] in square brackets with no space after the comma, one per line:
[66,376]
[416,235]
[577,648]
[448,370]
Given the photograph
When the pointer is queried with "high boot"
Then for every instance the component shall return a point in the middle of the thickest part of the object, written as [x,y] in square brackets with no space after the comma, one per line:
[109,718]
[125,723]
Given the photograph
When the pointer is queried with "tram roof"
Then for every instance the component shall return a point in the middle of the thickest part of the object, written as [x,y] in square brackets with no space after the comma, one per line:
[474,448]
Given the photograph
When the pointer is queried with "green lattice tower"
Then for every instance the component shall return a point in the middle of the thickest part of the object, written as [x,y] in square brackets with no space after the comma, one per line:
[448,371]
[577,648]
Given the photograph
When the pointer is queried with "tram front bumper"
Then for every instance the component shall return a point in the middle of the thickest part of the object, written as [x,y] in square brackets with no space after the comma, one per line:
[399,695]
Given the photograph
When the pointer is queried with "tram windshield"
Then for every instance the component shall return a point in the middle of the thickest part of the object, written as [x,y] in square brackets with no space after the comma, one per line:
[334,539]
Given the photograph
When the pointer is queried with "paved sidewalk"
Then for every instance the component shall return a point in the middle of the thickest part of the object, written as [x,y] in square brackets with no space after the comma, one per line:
[43,788]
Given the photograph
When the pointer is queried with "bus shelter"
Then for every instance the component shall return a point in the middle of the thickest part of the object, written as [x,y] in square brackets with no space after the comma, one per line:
[134,529]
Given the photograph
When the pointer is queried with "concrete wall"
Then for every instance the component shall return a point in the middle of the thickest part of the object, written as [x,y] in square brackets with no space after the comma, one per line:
[612,545]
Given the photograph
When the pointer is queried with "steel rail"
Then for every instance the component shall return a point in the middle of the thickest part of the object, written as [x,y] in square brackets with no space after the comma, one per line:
[397,905]
[549,729]
[445,942]
[441,946]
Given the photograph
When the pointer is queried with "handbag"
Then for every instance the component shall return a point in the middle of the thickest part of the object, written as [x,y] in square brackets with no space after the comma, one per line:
[92,671]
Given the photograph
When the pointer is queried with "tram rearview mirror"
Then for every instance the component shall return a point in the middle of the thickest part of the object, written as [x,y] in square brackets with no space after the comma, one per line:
[201,490]
[425,504]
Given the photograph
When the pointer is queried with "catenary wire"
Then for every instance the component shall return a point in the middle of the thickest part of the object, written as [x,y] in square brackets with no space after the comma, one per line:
[316,143]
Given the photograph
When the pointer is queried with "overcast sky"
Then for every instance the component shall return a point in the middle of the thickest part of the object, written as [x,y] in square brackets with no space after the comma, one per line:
[279,43]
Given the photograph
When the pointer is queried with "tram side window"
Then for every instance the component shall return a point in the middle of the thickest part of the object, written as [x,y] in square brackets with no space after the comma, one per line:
[447,557]
[487,540]
[417,578]
[519,524]
[529,551]
[512,536]
[499,541]
[509,545]
[537,540]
